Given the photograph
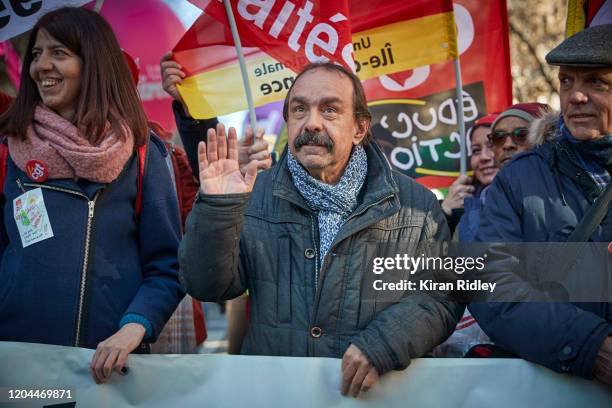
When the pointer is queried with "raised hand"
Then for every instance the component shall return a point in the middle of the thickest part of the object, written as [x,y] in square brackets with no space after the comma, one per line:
[172,74]
[248,151]
[218,160]
[461,188]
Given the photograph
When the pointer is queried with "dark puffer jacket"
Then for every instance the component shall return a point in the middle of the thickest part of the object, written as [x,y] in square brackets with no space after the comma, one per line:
[266,242]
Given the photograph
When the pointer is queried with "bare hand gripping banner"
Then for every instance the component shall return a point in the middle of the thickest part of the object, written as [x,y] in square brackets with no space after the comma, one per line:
[259,381]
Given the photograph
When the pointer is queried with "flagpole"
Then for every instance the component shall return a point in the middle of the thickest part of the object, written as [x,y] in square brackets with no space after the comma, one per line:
[243,69]
[461,122]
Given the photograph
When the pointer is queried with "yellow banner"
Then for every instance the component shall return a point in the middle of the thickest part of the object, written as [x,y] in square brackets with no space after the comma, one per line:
[392,48]
[576,20]
[405,45]
[220,92]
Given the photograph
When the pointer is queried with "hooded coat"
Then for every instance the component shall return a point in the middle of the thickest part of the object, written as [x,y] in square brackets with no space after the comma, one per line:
[540,196]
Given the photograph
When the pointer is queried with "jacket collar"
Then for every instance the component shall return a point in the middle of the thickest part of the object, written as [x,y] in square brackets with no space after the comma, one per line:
[561,159]
[379,181]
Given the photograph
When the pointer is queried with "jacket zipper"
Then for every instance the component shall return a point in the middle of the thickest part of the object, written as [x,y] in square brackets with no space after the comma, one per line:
[317,293]
[91,204]
[315,245]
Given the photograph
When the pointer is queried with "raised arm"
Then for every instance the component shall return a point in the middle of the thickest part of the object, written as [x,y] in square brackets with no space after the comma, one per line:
[209,254]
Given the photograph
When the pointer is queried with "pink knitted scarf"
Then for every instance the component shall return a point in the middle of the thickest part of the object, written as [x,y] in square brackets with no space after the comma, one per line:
[66,154]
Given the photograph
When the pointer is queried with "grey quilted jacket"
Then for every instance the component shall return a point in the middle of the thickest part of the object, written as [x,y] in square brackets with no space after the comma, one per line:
[267,242]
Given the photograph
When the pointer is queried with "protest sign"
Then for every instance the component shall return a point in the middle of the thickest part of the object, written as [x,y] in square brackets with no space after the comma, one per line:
[17,17]
[198,380]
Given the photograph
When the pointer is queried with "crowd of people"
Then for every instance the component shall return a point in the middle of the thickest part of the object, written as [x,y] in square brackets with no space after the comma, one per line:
[98,249]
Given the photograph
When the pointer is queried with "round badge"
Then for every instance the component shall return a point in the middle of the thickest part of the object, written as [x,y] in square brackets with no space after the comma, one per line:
[37,171]
[610,247]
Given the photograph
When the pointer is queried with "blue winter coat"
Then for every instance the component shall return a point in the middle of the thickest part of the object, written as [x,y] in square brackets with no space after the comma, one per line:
[541,196]
[57,287]
[468,224]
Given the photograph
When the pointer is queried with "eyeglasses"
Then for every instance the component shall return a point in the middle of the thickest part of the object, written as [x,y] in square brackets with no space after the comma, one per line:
[518,135]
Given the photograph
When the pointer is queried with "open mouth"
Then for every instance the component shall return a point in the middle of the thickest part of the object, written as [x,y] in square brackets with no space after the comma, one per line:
[49,83]
[488,170]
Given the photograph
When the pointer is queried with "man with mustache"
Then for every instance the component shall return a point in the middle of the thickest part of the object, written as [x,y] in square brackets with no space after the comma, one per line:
[302,238]
[542,196]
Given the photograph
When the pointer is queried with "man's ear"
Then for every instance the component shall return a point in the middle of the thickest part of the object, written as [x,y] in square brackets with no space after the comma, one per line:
[363,125]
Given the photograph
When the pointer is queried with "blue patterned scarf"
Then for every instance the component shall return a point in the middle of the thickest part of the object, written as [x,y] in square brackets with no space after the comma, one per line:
[333,203]
[594,156]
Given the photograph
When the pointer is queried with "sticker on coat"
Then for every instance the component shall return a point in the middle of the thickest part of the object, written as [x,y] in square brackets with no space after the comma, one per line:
[31,217]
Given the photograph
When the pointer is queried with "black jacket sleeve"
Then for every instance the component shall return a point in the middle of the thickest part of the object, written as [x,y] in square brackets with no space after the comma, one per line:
[192,131]
[209,254]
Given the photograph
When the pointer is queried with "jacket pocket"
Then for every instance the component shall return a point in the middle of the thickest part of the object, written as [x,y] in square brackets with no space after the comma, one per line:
[396,232]
[108,300]
[270,266]
[382,287]
[367,293]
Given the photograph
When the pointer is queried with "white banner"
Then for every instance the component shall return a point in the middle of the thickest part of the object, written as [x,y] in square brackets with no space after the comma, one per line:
[209,380]
[18,16]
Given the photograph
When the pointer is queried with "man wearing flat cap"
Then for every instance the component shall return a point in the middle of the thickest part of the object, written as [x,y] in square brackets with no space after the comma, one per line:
[543,195]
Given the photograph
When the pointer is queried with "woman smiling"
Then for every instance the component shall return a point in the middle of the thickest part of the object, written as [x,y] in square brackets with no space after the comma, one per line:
[90,235]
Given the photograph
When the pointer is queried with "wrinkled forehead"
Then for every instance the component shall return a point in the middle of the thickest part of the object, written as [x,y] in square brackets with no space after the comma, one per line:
[322,85]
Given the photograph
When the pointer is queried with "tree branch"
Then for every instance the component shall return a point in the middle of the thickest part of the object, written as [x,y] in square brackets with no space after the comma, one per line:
[532,51]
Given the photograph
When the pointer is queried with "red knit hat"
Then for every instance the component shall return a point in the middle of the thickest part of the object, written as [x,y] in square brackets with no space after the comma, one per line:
[528,111]
[486,120]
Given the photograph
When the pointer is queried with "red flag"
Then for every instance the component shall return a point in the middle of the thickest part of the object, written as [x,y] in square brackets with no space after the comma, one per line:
[292,35]
[282,36]
[422,140]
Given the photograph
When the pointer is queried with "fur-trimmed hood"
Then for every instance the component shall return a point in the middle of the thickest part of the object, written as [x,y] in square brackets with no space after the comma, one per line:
[543,129]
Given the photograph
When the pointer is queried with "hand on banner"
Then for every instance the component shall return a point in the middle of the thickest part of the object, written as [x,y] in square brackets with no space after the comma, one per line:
[172,74]
[358,374]
[218,160]
[112,353]
[249,151]
[603,362]
[461,188]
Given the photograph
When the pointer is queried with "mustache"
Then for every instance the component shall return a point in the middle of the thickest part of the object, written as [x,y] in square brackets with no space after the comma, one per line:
[320,138]
[577,111]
